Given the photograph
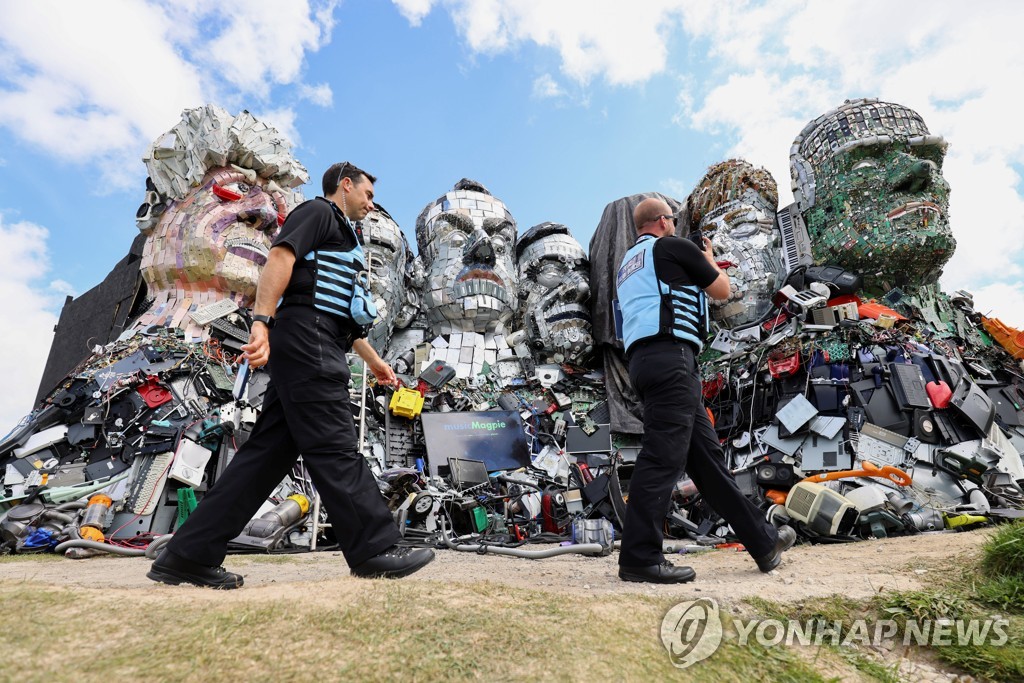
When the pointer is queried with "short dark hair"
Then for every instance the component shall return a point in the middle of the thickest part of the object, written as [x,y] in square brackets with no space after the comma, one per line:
[333,176]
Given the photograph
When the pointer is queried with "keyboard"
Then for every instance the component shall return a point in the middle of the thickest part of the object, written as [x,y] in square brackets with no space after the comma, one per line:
[148,478]
[210,312]
[908,381]
[796,244]
[229,330]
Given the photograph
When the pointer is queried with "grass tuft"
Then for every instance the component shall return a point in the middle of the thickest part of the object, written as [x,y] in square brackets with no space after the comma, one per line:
[1003,554]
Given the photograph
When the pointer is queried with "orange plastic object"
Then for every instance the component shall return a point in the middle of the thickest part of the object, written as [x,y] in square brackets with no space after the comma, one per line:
[1008,337]
[868,469]
[844,299]
[873,309]
[776,496]
[730,546]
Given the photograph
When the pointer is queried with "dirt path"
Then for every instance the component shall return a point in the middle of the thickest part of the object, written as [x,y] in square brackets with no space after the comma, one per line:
[857,570]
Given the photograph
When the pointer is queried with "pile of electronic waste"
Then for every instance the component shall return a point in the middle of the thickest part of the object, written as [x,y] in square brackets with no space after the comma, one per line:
[847,419]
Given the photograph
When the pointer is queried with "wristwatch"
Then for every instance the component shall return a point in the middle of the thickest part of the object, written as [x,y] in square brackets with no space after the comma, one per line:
[267,320]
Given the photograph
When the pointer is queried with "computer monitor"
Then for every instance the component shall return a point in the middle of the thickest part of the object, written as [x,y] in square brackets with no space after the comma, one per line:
[467,474]
[578,441]
[496,437]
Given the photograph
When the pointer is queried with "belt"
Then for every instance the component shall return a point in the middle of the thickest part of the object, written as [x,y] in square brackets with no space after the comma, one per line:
[296,300]
[651,341]
[346,331]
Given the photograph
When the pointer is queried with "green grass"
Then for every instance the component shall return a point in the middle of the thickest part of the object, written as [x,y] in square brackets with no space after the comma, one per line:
[1004,592]
[1003,554]
[871,667]
[33,557]
[932,604]
[993,587]
[365,631]
[431,630]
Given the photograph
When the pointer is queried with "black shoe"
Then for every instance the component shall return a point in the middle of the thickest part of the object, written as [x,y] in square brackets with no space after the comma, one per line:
[171,569]
[787,537]
[666,572]
[394,563]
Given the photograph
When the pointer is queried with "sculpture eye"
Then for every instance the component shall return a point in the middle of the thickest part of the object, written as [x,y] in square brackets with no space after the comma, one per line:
[498,243]
[550,273]
[229,192]
[457,238]
[865,163]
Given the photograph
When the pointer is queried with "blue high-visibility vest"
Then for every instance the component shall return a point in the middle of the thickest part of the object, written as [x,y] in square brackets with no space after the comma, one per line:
[652,307]
[341,283]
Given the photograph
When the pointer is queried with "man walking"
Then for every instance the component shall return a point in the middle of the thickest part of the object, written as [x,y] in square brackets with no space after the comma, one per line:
[311,284]
[661,290]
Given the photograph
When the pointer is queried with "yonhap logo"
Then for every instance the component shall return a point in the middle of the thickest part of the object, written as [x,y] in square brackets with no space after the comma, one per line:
[691,631]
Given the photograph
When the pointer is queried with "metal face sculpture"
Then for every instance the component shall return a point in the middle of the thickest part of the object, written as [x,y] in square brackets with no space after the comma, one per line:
[554,281]
[219,186]
[216,237]
[392,275]
[867,177]
[734,206]
[466,242]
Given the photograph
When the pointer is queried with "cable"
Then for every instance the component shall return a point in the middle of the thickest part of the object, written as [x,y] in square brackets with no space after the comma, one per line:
[577,549]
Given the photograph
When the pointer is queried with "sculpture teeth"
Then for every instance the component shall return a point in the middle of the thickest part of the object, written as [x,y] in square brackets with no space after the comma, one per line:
[258,247]
[911,207]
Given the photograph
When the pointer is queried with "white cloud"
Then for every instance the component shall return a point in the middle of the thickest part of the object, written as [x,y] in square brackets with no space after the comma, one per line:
[319,94]
[414,10]
[754,110]
[755,73]
[1003,300]
[623,43]
[62,287]
[23,262]
[83,87]
[264,43]
[546,87]
[283,119]
[675,188]
[761,95]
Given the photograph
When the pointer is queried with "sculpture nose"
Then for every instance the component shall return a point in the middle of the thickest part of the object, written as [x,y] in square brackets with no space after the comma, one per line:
[259,217]
[916,177]
[575,288]
[480,249]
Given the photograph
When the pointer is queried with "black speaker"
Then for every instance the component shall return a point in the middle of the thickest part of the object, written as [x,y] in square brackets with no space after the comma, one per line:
[776,476]
[925,428]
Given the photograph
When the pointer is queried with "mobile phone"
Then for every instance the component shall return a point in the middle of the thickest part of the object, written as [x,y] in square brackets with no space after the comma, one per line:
[241,380]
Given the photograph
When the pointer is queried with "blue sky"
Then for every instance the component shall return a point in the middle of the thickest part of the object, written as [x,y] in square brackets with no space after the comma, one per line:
[558,107]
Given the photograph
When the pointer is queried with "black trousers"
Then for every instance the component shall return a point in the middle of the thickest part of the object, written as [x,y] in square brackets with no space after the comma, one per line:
[678,437]
[305,410]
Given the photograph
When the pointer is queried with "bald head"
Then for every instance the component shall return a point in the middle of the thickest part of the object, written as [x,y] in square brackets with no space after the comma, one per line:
[648,211]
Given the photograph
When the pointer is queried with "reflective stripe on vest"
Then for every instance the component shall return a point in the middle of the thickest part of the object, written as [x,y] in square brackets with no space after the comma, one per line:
[337,273]
[341,285]
[652,307]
